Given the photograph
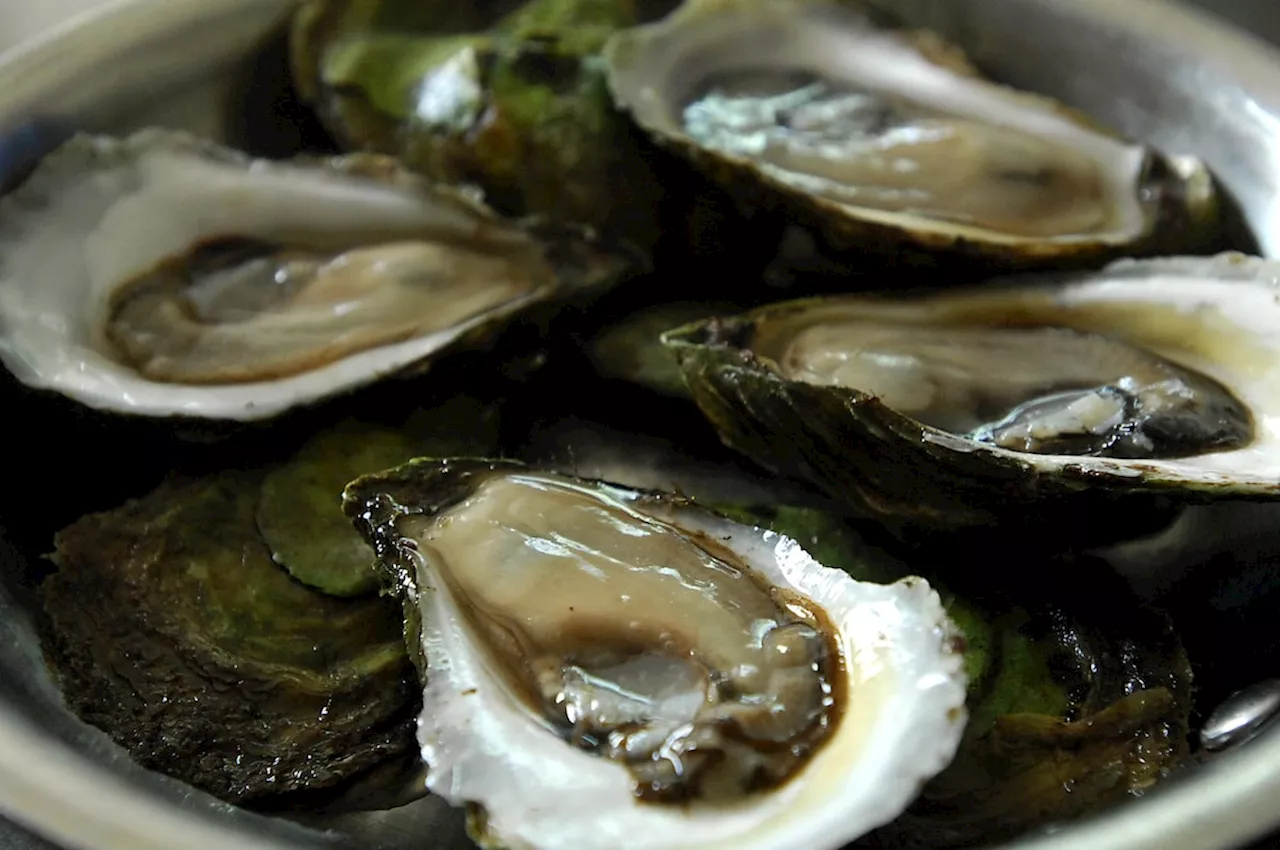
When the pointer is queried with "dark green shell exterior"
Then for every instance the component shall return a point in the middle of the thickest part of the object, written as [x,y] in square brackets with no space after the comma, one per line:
[531,122]
[175,632]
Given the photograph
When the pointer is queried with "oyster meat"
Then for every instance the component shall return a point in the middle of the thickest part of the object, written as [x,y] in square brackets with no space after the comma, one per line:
[890,142]
[1035,403]
[610,668]
[164,275]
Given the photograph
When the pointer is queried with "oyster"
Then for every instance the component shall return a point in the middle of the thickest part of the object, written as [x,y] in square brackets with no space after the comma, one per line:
[1079,698]
[163,275]
[175,632]
[607,667]
[509,97]
[888,142]
[1068,407]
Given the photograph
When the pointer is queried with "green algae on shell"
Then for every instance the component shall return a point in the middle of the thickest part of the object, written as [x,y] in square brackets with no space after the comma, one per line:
[632,350]
[508,97]
[300,510]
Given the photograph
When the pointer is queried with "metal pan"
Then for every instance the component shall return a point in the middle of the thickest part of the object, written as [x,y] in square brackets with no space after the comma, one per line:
[1154,70]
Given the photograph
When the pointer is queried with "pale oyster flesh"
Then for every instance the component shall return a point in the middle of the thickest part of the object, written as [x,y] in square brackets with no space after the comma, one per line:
[882,151]
[595,655]
[1044,389]
[247,312]
[697,720]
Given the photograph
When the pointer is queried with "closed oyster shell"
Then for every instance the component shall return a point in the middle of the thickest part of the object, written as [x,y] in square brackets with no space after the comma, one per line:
[174,632]
[1080,699]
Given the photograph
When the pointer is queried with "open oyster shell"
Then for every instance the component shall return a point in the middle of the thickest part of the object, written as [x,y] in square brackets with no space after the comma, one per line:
[163,275]
[889,143]
[1067,409]
[571,692]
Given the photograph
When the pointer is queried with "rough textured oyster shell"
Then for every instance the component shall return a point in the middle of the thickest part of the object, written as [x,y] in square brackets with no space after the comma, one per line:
[175,632]
[1079,698]
[485,746]
[508,97]
[1218,316]
[298,513]
[1137,201]
[100,242]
